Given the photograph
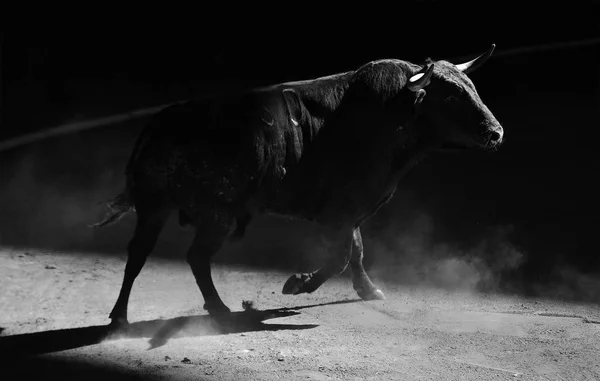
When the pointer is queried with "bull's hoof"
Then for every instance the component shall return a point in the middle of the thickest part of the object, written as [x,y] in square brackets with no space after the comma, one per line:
[216,308]
[298,284]
[118,323]
[370,294]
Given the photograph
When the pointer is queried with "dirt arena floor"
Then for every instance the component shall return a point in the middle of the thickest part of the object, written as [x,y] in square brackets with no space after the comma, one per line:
[55,310]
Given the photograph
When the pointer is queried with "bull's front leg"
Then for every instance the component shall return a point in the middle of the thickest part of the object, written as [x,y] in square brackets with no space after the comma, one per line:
[365,289]
[339,250]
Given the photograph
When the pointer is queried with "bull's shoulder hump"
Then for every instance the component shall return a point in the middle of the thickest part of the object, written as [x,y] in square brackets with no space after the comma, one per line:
[387,61]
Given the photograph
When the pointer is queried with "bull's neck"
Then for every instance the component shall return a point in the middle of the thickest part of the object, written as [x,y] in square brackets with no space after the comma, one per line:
[321,99]
[417,142]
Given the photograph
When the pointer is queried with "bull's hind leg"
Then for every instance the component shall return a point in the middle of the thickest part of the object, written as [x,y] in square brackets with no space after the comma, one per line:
[148,227]
[242,221]
[309,282]
[211,232]
[365,289]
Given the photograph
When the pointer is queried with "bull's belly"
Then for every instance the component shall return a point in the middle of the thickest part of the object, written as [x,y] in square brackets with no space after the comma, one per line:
[199,187]
[345,211]
[330,208]
[199,182]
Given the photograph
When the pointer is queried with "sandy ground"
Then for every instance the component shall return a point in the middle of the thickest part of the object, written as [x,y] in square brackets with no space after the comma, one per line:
[55,307]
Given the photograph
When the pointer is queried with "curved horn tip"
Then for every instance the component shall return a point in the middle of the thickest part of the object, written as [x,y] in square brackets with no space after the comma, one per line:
[420,80]
[472,65]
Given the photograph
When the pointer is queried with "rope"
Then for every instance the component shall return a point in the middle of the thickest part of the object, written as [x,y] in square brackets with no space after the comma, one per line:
[536,48]
[80,126]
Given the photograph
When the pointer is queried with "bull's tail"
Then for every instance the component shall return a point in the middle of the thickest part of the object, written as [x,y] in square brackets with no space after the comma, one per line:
[123,203]
[118,208]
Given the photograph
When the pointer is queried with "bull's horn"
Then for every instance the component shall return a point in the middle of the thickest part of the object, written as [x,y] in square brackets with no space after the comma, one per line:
[419,81]
[472,65]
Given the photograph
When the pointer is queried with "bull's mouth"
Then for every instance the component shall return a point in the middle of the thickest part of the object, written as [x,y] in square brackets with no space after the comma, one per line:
[489,141]
[459,147]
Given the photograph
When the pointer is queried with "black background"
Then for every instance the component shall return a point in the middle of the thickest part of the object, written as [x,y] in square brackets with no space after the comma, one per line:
[541,186]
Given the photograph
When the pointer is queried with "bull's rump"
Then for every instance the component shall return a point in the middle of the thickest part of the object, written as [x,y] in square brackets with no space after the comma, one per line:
[213,150]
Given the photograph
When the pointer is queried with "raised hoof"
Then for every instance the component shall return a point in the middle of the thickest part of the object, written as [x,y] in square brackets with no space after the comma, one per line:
[217,309]
[296,284]
[370,294]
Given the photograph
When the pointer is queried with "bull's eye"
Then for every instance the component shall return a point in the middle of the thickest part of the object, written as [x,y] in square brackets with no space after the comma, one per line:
[451,99]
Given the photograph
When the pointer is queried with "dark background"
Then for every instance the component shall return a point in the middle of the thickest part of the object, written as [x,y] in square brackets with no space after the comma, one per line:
[538,193]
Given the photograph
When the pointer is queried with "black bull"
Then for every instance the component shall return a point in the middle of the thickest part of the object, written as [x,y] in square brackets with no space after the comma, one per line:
[329,150]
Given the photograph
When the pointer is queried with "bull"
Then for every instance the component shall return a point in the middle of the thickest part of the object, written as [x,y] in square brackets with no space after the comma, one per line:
[329,150]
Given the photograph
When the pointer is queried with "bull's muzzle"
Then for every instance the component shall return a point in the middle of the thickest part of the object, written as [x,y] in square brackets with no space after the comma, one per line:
[494,137]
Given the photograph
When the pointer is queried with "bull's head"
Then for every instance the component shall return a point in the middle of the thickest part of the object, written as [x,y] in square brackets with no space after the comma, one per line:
[453,106]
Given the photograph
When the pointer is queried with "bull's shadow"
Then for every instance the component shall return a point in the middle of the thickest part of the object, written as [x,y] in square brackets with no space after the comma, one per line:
[159,331]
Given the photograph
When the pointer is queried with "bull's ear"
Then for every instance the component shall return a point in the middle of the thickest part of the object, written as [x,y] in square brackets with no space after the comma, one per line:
[475,63]
[419,96]
[420,80]
[293,104]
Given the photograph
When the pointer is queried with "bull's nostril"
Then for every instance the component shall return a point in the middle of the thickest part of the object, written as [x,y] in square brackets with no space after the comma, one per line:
[495,136]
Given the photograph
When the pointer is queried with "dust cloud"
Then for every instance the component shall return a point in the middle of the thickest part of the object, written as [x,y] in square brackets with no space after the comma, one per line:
[568,283]
[413,256]
[38,211]
[51,191]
